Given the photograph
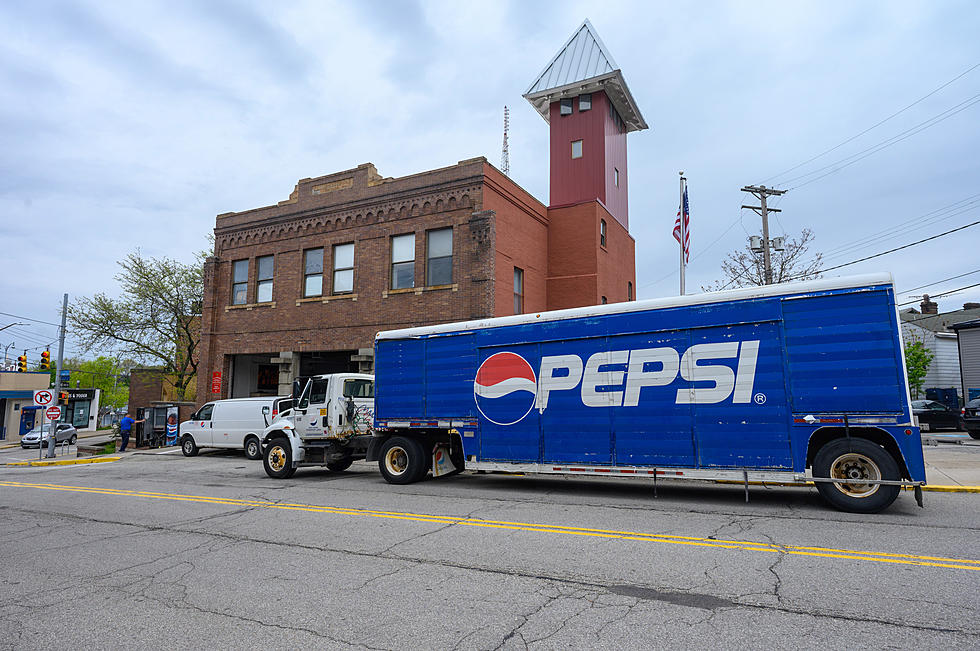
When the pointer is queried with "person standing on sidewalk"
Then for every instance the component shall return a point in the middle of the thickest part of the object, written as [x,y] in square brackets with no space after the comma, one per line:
[126,428]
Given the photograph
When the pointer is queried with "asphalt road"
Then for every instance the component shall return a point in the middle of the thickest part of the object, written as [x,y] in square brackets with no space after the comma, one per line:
[165,551]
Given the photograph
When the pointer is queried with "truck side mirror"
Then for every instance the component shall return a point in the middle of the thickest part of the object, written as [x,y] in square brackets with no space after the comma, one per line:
[266,411]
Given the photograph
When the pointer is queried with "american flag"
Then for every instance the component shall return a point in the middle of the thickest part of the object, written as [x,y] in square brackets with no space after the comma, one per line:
[687,228]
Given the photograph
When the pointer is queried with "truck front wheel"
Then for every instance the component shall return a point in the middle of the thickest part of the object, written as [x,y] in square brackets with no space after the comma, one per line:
[278,459]
[402,460]
[856,460]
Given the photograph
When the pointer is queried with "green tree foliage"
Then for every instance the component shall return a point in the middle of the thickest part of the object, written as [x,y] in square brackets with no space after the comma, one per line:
[154,320]
[108,374]
[746,268]
[917,361]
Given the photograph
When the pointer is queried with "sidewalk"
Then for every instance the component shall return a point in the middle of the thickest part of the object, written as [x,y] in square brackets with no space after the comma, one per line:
[955,462]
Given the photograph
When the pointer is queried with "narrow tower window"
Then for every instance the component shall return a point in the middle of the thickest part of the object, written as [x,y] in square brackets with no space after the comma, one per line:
[584,102]
[576,149]
[566,107]
[602,232]
[518,290]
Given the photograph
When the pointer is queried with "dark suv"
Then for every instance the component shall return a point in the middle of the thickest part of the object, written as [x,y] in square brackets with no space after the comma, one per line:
[971,417]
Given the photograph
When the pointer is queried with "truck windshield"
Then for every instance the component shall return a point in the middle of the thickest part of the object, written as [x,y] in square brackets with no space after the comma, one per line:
[358,388]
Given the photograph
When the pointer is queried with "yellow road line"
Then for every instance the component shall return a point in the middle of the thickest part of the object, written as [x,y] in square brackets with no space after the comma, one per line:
[796,550]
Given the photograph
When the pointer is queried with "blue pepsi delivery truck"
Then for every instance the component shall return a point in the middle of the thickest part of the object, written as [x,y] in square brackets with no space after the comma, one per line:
[789,383]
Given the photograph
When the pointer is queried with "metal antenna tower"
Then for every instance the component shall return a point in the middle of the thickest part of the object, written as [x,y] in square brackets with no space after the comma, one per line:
[505,151]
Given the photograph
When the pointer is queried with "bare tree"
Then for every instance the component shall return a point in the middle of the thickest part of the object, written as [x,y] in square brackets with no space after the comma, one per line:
[155,319]
[745,268]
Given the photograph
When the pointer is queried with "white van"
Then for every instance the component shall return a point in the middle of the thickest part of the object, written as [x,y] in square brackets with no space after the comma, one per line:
[234,423]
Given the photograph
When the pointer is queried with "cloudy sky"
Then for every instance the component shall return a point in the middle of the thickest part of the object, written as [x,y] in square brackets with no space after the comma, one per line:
[131,125]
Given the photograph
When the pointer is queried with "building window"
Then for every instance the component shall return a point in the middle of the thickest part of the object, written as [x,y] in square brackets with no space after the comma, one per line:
[602,232]
[604,301]
[263,287]
[403,261]
[518,291]
[239,279]
[343,268]
[576,149]
[439,257]
[313,273]
[616,176]
[629,290]
[566,107]
[584,102]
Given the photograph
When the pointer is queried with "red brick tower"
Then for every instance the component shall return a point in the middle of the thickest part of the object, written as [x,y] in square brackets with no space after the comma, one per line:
[583,96]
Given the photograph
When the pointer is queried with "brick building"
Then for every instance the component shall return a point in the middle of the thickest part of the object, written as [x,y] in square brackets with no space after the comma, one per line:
[303,286]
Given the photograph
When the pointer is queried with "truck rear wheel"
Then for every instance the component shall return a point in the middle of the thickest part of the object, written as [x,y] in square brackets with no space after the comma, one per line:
[402,460]
[278,459]
[856,459]
[340,465]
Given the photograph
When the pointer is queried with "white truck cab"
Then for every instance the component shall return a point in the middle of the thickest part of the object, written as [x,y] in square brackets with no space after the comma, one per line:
[330,424]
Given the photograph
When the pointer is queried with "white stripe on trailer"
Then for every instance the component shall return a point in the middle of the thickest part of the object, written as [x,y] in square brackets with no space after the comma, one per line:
[787,477]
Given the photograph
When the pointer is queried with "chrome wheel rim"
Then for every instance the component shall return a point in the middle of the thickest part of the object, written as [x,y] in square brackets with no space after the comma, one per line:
[856,467]
[188,447]
[277,458]
[396,460]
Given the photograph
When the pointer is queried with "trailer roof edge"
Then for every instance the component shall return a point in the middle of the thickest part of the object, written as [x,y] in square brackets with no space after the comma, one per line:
[743,293]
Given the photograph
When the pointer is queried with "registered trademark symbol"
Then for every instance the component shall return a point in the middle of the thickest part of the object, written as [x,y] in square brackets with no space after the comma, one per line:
[760,398]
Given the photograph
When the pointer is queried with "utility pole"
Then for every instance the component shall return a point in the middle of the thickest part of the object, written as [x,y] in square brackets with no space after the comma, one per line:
[57,373]
[762,193]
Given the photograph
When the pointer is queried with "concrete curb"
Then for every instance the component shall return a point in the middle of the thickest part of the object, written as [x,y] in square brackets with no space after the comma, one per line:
[64,462]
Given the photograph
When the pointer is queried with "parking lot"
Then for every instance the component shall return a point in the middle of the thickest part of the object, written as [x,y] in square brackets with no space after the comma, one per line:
[159,549]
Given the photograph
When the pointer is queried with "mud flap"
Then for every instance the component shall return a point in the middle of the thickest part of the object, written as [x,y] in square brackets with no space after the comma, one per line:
[918,496]
[441,463]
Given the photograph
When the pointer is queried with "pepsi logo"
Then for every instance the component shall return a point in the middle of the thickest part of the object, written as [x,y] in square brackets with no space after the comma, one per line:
[505,388]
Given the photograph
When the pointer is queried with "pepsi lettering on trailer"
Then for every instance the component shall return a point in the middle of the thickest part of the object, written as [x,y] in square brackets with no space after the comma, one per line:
[506,385]
[793,383]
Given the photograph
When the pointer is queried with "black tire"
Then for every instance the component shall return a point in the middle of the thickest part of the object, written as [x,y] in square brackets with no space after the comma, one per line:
[278,459]
[71,441]
[340,465]
[859,459]
[188,446]
[974,433]
[402,460]
[253,449]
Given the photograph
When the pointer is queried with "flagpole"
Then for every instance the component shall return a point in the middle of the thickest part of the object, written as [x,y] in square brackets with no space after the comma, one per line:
[683,230]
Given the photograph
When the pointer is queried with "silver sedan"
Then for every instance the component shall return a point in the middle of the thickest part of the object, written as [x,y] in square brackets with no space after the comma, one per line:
[64,432]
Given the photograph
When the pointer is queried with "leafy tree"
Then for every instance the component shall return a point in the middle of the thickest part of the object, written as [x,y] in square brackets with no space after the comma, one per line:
[746,268]
[154,320]
[107,374]
[917,361]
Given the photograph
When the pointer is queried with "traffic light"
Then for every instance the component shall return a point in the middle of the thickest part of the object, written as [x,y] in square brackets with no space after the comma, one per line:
[22,364]
[62,397]
[45,360]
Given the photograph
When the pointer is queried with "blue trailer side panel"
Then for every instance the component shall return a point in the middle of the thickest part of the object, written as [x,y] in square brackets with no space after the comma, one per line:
[713,385]
[841,351]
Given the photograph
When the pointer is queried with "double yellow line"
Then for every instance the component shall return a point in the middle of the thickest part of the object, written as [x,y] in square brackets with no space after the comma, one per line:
[796,550]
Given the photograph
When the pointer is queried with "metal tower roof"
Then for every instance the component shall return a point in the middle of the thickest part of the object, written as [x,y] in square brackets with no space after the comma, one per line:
[584,65]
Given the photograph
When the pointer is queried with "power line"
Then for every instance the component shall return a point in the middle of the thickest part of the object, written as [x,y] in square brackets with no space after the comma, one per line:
[969,273]
[864,153]
[929,218]
[57,325]
[877,124]
[878,255]
[952,291]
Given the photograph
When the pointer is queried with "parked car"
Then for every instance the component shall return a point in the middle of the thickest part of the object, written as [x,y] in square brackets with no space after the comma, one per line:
[233,423]
[971,418]
[63,432]
[934,415]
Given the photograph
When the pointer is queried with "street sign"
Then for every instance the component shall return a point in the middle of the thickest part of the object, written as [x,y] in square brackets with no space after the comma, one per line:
[216,382]
[43,398]
[53,413]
